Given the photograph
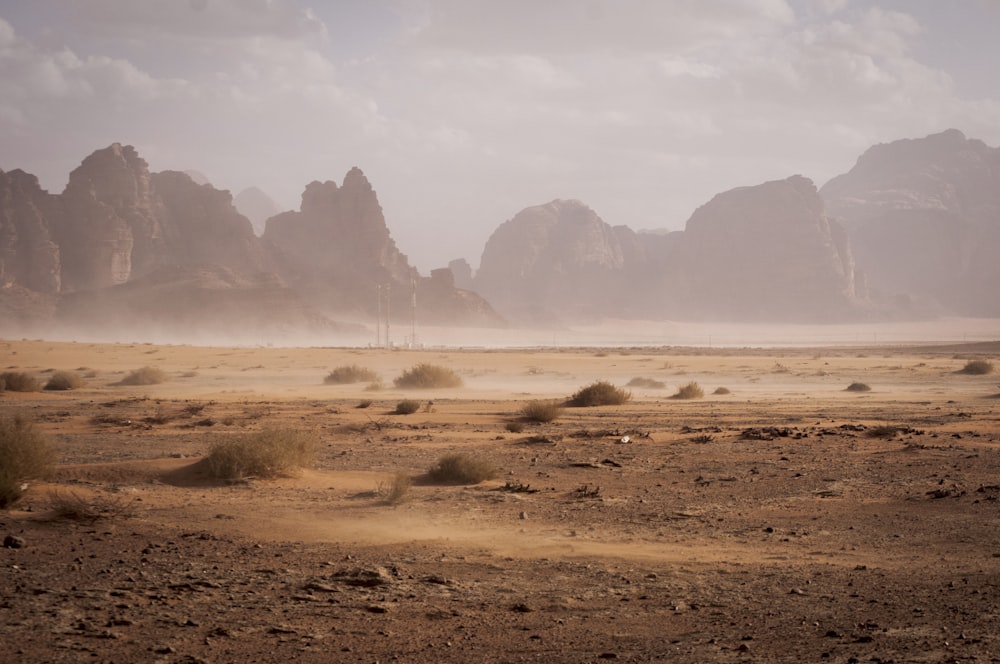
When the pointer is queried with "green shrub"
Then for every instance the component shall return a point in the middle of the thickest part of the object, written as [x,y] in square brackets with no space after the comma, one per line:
[428,376]
[460,469]
[144,376]
[600,393]
[25,454]
[690,391]
[267,453]
[648,383]
[407,407]
[351,373]
[977,368]
[19,381]
[64,380]
[858,387]
[541,411]
[722,390]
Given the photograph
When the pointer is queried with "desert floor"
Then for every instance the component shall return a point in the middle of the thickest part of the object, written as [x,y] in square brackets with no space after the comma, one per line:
[789,520]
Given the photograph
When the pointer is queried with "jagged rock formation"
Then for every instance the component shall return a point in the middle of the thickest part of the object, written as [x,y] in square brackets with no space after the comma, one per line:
[256,206]
[552,262]
[923,216]
[129,252]
[767,253]
[28,255]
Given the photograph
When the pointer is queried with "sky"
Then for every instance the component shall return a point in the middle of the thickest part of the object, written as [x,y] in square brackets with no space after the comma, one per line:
[464,112]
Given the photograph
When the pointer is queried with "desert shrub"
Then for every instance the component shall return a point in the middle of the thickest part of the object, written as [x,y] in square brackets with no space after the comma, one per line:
[374,386]
[541,411]
[25,454]
[460,469]
[64,380]
[19,381]
[144,376]
[395,490]
[600,393]
[858,387]
[407,407]
[882,431]
[428,376]
[267,453]
[722,390]
[690,391]
[71,506]
[364,403]
[648,383]
[350,373]
[977,368]
[514,427]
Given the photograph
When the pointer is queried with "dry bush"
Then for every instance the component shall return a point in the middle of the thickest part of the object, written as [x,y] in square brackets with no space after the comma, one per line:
[648,383]
[541,411]
[407,407]
[64,380]
[858,387]
[514,427]
[364,403]
[882,431]
[350,373]
[977,368]
[395,490]
[722,390]
[374,386]
[19,381]
[71,506]
[428,376]
[25,454]
[144,376]
[460,469]
[600,393]
[267,453]
[690,391]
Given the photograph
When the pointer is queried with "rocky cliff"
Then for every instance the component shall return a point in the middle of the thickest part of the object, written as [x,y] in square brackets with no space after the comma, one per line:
[28,255]
[923,217]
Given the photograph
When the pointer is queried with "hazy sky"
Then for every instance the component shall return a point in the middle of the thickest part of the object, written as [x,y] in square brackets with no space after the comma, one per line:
[463,112]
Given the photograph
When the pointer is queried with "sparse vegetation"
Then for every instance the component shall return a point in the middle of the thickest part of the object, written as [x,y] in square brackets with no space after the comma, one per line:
[977,368]
[600,393]
[407,407]
[144,376]
[647,383]
[541,411]
[703,438]
[460,469]
[426,376]
[71,506]
[19,381]
[690,391]
[267,453]
[395,490]
[514,427]
[350,373]
[25,454]
[364,403]
[64,380]
[858,387]
[882,431]
[722,390]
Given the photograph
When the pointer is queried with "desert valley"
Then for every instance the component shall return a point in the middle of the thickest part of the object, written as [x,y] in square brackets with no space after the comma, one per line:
[777,516]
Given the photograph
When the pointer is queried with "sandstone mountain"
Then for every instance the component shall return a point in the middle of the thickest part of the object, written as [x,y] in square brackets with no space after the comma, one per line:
[923,217]
[763,253]
[128,251]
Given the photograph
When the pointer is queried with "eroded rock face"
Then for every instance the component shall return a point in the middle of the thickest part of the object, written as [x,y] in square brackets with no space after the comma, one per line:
[767,252]
[552,261]
[923,216]
[28,255]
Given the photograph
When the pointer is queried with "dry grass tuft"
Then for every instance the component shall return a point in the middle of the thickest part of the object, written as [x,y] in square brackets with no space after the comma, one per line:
[25,454]
[428,376]
[19,381]
[64,380]
[600,393]
[460,469]
[976,368]
[395,491]
[541,411]
[350,373]
[722,390]
[858,387]
[267,453]
[71,506]
[690,391]
[144,376]
[407,407]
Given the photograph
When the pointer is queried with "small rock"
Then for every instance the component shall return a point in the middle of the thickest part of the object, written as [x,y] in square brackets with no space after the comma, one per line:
[13,542]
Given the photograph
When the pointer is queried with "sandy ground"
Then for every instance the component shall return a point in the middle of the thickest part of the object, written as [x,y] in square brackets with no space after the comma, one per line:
[789,520]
